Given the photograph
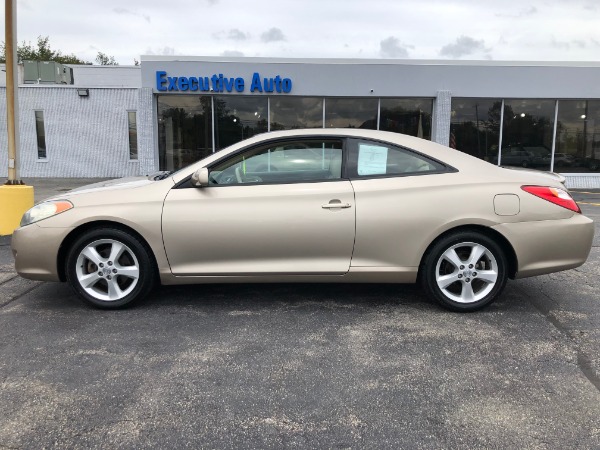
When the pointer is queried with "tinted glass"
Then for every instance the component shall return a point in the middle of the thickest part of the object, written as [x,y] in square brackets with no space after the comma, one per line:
[238,118]
[527,133]
[407,115]
[577,136]
[288,162]
[475,126]
[351,113]
[296,112]
[133,148]
[369,159]
[41,134]
[184,130]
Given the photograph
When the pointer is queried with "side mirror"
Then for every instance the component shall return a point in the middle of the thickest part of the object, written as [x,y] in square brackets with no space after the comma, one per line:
[200,177]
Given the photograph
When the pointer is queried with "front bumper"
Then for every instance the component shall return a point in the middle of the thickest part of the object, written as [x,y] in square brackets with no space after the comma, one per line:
[35,250]
[549,245]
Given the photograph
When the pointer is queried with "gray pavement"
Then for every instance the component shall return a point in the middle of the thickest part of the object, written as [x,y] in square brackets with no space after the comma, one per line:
[302,366]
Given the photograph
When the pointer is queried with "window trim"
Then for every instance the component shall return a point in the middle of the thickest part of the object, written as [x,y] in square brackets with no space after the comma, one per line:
[37,136]
[351,165]
[185,183]
[137,147]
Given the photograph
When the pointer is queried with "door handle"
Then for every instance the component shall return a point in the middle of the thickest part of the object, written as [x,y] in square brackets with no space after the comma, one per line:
[336,205]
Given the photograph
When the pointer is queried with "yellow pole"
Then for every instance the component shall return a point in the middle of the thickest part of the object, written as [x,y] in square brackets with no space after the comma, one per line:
[12,86]
[15,197]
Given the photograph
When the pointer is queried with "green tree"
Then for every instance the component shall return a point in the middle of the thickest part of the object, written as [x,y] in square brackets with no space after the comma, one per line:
[103,59]
[42,51]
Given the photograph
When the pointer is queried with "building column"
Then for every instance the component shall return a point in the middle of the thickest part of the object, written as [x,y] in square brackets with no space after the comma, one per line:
[440,132]
[146,124]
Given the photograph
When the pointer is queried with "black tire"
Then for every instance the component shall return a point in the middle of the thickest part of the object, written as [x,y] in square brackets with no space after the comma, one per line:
[525,164]
[130,277]
[457,295]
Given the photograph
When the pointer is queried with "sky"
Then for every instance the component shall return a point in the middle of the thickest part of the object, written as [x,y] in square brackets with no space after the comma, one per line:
[550,30]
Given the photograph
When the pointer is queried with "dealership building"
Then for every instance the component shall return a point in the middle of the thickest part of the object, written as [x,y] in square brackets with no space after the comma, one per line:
[112,121]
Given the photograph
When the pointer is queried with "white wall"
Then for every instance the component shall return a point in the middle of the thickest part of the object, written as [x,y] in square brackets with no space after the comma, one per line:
[85,136]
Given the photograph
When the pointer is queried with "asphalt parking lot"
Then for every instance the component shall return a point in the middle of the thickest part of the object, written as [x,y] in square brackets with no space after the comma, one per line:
[303,366]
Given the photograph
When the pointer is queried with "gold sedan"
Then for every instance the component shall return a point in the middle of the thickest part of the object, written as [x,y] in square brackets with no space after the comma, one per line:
[336,205]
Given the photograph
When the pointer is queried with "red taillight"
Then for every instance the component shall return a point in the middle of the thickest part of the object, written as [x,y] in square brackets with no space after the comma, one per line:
[554,195]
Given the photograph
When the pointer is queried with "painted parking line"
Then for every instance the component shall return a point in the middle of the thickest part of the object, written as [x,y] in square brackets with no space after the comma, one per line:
[585,203]
[584,192]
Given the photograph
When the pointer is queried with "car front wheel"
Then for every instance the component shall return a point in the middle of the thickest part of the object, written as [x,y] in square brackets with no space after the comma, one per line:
[109,268]
[464,271]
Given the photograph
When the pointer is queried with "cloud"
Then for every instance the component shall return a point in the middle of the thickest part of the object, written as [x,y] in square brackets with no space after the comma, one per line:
[464,45]
[237,35]
[232,53]
[392,48]
[272,35]
[234,34]
[131,13]
[522,13]
[165,51]
[567,45]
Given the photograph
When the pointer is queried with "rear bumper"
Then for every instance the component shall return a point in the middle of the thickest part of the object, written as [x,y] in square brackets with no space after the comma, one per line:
[550,245]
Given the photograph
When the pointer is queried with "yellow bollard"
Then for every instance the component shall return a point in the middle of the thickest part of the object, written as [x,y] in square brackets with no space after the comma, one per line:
[14,201]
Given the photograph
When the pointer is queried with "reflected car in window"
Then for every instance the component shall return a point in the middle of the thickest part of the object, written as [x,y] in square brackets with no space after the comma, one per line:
[318,205]
[524,156]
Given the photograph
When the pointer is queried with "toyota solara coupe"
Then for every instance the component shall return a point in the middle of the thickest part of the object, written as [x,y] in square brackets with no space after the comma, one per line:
[326,206]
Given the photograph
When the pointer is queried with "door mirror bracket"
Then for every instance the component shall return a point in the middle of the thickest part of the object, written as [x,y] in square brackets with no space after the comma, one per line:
[200,177]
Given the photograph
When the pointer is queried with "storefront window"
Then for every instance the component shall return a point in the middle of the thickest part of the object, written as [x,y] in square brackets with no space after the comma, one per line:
[351,113]
[407,115]
[475,126]
[527,133]
[577,136]
[288,113]
[184,130]
[238,118]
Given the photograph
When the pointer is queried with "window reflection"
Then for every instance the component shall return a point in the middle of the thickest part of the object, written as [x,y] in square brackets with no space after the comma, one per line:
[527,133]
[184,130]
[351,113]
[288,113]
[475,126]
[577,136]
[41,134]
[407,115]
[238,118]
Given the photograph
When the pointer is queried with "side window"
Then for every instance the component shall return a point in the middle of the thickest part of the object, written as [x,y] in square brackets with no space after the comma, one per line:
[378,159]
[282,162]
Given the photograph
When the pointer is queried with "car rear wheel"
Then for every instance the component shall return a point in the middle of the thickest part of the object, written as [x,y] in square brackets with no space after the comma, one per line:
[464,271]
[109,268]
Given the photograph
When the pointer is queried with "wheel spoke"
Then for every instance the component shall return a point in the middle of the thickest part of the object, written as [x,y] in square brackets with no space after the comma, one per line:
[446,280]
[489,276]
[114,291]
[467,295]
[476,253]
[92,254]
[89,280]
[451,256]
[128,271]
[116,251]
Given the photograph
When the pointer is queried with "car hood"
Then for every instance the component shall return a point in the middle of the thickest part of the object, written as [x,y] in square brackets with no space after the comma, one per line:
[108,185]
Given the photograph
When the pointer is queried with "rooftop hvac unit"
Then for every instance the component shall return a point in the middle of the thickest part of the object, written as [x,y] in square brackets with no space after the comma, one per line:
[47,72]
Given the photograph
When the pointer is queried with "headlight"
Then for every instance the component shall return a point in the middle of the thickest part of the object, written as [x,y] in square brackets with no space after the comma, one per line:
[45,210]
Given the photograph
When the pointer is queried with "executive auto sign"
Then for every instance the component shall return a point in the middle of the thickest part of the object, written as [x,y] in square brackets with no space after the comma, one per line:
[221,83]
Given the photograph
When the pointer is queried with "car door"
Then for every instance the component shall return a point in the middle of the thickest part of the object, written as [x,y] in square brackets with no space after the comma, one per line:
[281,208]
[393,194]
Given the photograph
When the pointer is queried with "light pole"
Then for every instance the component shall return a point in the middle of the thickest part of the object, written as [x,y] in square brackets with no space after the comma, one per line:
[15,197]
